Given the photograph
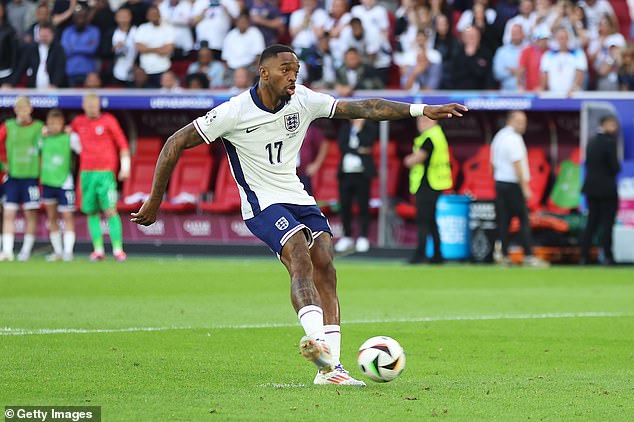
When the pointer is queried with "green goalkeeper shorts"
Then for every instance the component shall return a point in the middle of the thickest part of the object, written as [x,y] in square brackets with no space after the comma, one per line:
[98,191]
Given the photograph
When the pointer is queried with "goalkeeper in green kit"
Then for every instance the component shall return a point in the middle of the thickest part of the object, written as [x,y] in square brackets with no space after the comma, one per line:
[58,190]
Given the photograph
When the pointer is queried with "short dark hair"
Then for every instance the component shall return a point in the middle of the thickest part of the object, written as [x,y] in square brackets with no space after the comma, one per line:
[607,118]
[55,113]
[46,25]
[274,50]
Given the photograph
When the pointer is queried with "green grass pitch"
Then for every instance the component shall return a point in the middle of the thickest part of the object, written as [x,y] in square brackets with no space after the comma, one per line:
[482,343]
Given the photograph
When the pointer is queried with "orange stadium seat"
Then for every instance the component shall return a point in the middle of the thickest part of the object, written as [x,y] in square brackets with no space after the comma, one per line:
[325,183]
[148,147]
[478,177]
[226,197]
[540,173]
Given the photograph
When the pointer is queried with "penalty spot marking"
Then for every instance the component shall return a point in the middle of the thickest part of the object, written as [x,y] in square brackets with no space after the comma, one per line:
[8,331]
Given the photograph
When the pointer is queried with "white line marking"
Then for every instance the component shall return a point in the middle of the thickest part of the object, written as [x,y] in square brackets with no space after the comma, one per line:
[8,331]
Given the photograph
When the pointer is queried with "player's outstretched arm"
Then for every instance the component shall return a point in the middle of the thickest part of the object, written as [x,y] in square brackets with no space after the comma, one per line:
[184,138]
[380,109]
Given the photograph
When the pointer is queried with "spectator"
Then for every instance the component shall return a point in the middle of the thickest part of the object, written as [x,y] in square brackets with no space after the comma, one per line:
[468,18]
[155,44]
[429,175]
[170,83]
[21,15]
[42,16]
[80,42]
[306,25]
[212,20]
[545,15]
[212,70]
[595,10]
[44,63]
[319,69]
[438,8]
[602,167]
[563,70]
[511,173]
[370,43]
[8,48]
[93,81]
[139,9]
[529,75]
[178,14]
[525,18]
[356,170]
[426,71]
[354,75]
[311,156]
[491,33]
[373,15]
[61,15]
[140,80]
[242,80]
[506,60]
[471,63]
[607,63]
[338,19]
[579,26]
[243,44]
[266,16]
[101,16]
[607,29]
[197,81]
[626,70]
[124,47]
[445,44]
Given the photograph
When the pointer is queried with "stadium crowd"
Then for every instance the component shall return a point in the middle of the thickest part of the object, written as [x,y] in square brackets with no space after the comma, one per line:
[512,45]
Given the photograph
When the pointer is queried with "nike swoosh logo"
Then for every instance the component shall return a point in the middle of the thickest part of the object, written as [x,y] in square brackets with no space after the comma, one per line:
[252,129]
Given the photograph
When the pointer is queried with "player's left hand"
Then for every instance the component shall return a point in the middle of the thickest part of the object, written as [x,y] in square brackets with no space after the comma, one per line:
[146,215]
[444,111]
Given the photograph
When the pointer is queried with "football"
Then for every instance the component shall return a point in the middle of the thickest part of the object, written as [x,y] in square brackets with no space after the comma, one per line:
[381,359]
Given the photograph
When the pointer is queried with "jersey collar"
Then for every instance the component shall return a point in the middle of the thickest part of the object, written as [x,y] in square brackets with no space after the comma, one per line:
[258,102]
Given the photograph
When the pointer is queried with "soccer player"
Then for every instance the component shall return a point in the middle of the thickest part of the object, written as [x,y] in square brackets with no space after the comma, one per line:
[21,136]
[262,130]
[58,188]
[103,144]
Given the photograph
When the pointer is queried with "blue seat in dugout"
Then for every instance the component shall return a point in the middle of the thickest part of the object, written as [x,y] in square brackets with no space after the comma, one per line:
[452,214]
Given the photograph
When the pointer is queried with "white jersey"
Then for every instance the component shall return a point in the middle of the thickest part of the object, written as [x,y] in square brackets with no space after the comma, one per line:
[262,144]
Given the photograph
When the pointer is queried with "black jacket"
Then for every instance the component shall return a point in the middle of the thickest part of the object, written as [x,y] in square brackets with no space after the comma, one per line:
[30,61]
[367,136]
[367,77]
[602,167]
[8,47]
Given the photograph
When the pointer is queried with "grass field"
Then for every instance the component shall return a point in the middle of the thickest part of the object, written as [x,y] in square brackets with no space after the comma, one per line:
[482,343]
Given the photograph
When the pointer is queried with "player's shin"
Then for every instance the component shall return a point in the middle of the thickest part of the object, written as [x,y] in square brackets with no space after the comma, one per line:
[116,233]
[56,242]
[94,227]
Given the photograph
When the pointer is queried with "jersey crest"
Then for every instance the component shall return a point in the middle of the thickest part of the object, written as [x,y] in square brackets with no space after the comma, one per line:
[291,121]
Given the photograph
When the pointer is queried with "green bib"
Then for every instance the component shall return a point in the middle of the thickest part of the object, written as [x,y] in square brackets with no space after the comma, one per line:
[56,155]
[439,170]
[22,149]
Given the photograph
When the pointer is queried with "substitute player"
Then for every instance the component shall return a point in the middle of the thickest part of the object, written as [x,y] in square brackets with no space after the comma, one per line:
[262,131]
[21,136]
[58,190]
[104,147]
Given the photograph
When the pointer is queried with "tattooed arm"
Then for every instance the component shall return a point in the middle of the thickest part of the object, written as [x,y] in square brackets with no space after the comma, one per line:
[380,109]
[186,137]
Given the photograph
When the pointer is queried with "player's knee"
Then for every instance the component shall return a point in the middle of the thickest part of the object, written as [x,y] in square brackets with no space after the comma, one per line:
[301,266]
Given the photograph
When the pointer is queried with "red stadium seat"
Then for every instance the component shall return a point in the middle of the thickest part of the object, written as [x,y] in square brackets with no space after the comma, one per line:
[189,182]
[226,197]
[148,147]
[325,182]
[540,172]
[478,177]
[138,186]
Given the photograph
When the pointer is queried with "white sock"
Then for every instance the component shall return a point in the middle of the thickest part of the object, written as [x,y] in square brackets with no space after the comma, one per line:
[7,243]
[56,241]
[69,242]
[312,319]
[333,338]
[27,245]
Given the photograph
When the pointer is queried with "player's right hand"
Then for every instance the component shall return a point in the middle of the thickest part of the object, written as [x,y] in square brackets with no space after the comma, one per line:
[146,215]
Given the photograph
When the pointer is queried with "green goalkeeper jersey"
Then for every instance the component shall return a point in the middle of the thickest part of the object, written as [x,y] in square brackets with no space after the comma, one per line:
[56,159]
[22,149]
